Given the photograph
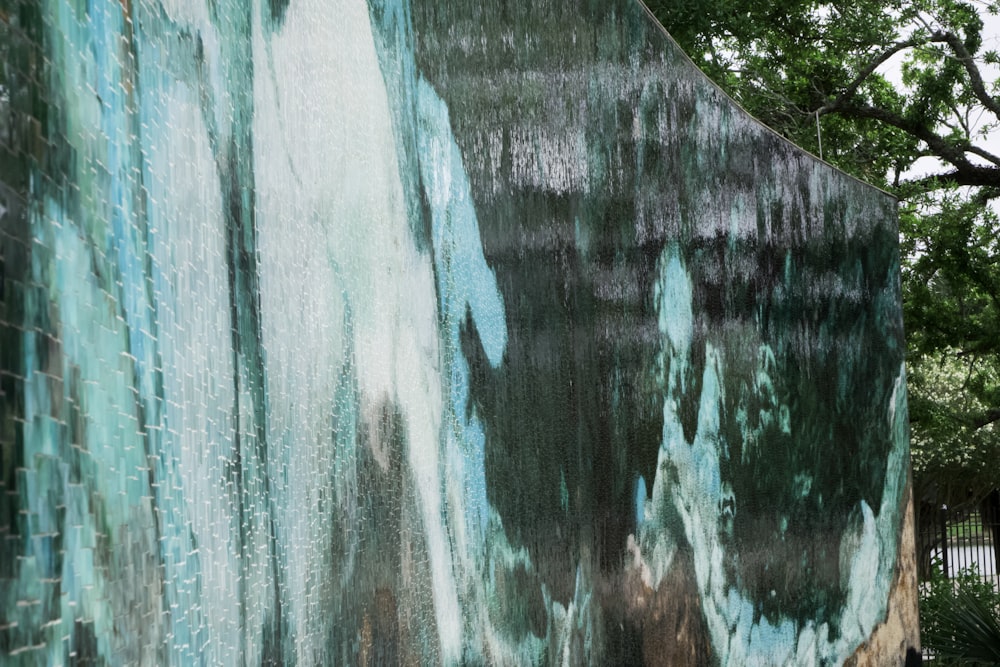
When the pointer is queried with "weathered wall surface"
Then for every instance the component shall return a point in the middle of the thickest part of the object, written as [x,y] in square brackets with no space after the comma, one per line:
[410,333]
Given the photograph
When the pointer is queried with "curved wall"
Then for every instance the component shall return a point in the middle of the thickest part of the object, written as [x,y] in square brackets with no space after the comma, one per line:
[402,333]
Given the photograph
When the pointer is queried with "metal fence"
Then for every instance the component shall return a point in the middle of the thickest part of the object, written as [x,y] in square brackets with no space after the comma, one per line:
[956,540]
[964,538]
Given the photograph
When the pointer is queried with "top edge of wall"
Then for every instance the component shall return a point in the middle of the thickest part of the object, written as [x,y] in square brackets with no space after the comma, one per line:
[659,26]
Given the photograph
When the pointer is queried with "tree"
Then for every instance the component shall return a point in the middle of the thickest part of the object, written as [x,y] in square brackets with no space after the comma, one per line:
[902,94]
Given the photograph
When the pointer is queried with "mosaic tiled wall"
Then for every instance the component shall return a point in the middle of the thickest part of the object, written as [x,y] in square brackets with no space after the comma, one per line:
[421,332]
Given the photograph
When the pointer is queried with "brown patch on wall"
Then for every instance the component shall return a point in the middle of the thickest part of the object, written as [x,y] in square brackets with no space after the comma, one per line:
[669,619]
[380,631]
[673,630]
[416,623]
[899,633]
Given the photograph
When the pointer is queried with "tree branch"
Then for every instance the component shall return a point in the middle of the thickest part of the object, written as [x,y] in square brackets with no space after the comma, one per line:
[941,147]
[870,69]
[991,417]
[976,150]
[961,119]
[973,175]
[965,172]
[975,77]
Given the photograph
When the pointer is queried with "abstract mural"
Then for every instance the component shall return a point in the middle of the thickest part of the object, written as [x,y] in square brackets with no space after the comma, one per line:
[413,332]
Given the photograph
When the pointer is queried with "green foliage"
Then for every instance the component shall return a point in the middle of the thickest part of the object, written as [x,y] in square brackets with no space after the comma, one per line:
[951,246]
[953,458]
[902,93]
[951,287]
[960,619]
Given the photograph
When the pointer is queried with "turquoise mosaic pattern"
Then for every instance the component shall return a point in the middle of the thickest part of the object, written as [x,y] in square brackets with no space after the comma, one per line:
[346,333]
